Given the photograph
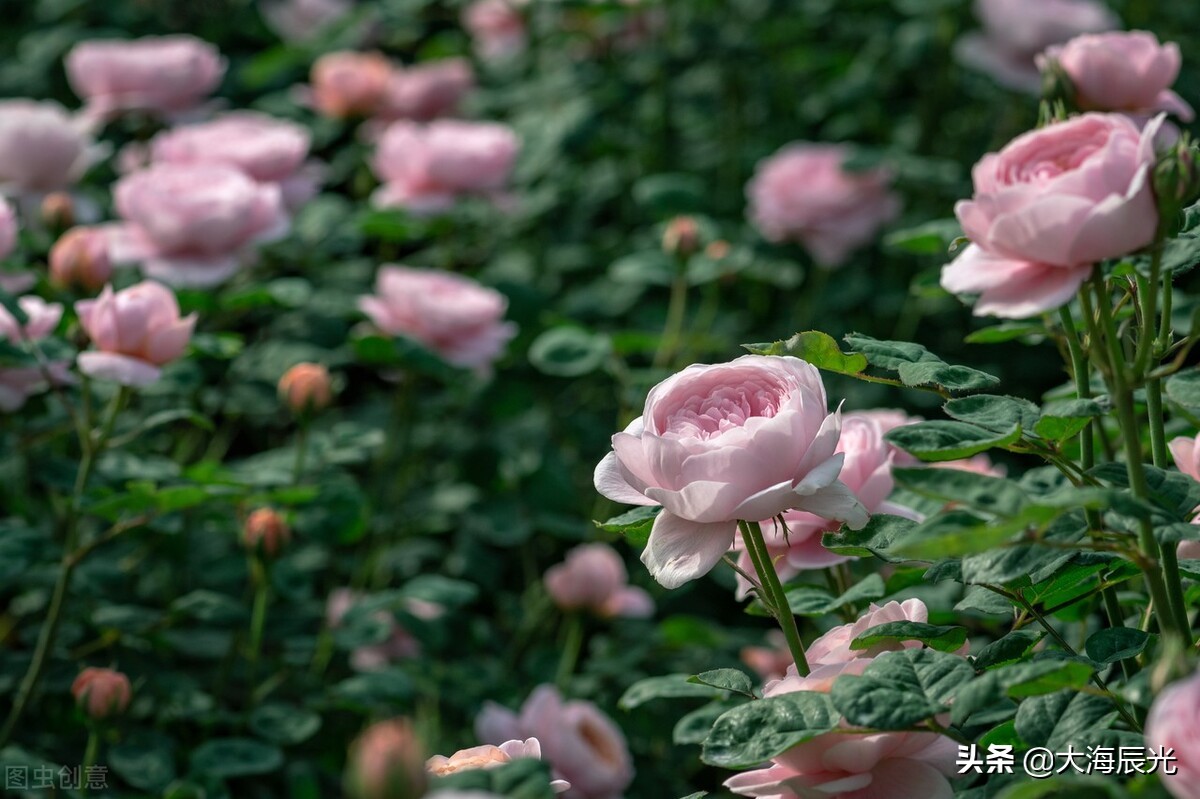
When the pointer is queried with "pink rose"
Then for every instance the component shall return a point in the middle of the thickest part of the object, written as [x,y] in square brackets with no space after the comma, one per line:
[301,20]
[43,317]
[1174,723]
[593,578]
[189,225]
[490,756]
[769,662]
[269,150]
[101,693]
[582,745]
[743,440]
[1124,71]
[1186,455]
[8,229]
[20,383]
[1050,205]
[834,646]
[136,331]
[386,762]
[497,28]
[803,194]
[41,147]
[426,91]
[80,258]
[350,84]
[867,471]
[455,317]
[167,75]
[425,168]
[1016,31]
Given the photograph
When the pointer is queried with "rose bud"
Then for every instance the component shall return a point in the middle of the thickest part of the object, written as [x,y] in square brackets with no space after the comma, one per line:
[58,210]
[386,762]
[682,237]
[306,387]
[1177,180]
[101,693]
[349,84]
[266,531]
[80,258]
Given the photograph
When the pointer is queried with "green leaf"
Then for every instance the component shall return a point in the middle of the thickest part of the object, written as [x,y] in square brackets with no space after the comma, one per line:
[1116,643]
[901,689]
[1011,647]
[993,412]
[694,727]
[209,607]
[444,591]
[819,349]
[1184,388]
[980,491]
[931,238]
[757,731]
[669,686]
[875,539]
[725,679]
[809,600]
[1061,718]
[634,525]
[284,724]
[144,760]
[1006,331]
[569,352]
[948,441]
[889,355]
[649,268]
[1064,787]
[949,377]
[670,193]
[1063,419]
[406,354]
[225,758]
[957,533]
[939,637]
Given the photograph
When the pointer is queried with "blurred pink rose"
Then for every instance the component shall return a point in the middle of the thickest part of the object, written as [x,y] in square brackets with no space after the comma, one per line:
[387,762]
[427,91]
[1016,31]
[803,194]
[866,470]
[167,75]
[490,756]
[350,84]
[136,331]
[455,317]
[769,662]
[1186,455]
[425,168]
[8,229]
[593,578]
[1123,71]
[101,693]
[400,643]
[43,317]
[41,147]
[745,440]
[80,258]
[189,225]
[497,28]
[1050,205]
[18,384]
[582,745]
[1174,723]
[269,150]
[301,20]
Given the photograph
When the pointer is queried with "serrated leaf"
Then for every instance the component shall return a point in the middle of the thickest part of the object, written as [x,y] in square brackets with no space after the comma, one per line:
[901,689]
[725,679]
[993,412]
[948,441]
[668,686]
[1116,643]
[943,638]
[874,539]
[757,731]
[819,349]
[634,525]
[980,491]
[809,600]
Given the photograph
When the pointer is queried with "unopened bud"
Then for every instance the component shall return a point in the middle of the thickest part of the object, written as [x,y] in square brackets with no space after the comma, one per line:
[682,237]
[80,258]
[1057,87]
[1177,179]
[717,249]
[101,693]
[306,387]
[386,762]
[58,210]
[266,531]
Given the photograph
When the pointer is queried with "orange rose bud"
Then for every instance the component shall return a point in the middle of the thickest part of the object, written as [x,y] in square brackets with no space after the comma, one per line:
[386,762]
[306,387]
[80,258]
[58,210]
[682,237]
[101,693]
[266,530]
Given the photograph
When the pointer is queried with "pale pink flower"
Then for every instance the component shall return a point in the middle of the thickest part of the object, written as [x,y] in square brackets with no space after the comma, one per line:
[427,91]
[453,316]
[745,440]
[582,745]
[490,756]
[593,578]
[269,150]
[1121,71]
[42,148]
[20,383]
[136,331]
[191,225]
[101,693]
[1047,207]
[301,20]
[769,662]
[1186,455]
[1016,31]
[834,646]
[8,229]
[350,84]
[167,75]
[497,28]
[426,168]
[1174,723]
[80,258]
[803,193]
[43,317]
